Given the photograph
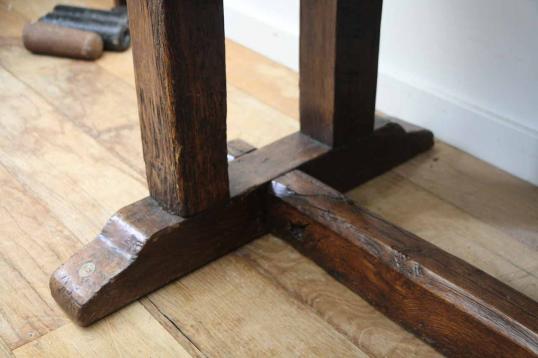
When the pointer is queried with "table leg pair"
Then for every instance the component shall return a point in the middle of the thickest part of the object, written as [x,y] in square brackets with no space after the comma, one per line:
[202,207]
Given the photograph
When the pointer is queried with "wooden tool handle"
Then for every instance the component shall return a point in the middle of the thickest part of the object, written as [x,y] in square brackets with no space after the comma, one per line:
[59,41]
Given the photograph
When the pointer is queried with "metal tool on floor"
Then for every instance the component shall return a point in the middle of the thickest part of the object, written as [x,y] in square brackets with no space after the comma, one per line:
[117,14]
[110,25]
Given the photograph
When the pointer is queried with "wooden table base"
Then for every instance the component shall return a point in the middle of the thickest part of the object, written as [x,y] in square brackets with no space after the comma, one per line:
[202,207]
[441,298]
[142,247]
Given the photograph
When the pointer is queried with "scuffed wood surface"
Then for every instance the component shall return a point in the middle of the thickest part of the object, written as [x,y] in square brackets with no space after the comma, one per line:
[229,309]
[181,86]
[391,144]
[5,352]
[133,333]
[455,306]
[142,247]
[28,310]
[488,194]
[347,312]
[394,198]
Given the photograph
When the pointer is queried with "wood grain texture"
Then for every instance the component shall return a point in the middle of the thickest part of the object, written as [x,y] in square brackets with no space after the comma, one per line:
[70,119]
[57,163]
[280,157]
[181,87]
[143,238]
[27,310]
[237,148]
[485,192]
[134,333]
[347,167]
[38,233]
[41,154]
[47,153]
[5,352]
[229,309]
[262,78]
[339,49]
[348,313]
[143,247]
[446,301]
[84,94]
[395,198]
[175,331]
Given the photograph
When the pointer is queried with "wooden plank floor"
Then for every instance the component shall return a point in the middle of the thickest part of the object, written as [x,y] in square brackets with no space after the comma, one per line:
[70,155]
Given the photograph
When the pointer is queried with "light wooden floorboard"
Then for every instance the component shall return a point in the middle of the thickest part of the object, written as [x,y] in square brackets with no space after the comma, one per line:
[70,155]
[229,309]
[32,244]
[5,352]
[130,333]
[345,311]
[481,190]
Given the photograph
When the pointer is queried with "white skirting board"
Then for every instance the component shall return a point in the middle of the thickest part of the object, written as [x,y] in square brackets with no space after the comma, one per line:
[486,135]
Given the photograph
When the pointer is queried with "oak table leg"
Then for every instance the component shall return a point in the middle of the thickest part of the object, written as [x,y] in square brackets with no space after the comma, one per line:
[339,51]
[178,51]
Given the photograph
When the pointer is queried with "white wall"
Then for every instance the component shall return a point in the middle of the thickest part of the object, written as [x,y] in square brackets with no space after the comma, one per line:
[468,70]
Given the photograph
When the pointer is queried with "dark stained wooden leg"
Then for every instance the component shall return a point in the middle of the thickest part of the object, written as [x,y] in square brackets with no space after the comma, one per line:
[457,308]
[178,51]
[339,49]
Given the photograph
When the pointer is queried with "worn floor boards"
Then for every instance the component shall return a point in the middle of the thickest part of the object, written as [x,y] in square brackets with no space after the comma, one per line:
[70,155]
